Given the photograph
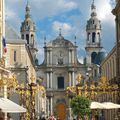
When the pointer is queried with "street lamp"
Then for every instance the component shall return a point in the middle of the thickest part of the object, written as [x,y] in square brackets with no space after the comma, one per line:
[27,98]
[27,94]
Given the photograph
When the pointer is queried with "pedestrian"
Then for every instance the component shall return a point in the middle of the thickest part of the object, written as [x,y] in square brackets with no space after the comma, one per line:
[49,118]
[52,118]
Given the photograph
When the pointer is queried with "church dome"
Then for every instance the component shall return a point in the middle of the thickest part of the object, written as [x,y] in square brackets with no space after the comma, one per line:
[60,37]
[60,42]
[28,25]
[100,57]
[93,23]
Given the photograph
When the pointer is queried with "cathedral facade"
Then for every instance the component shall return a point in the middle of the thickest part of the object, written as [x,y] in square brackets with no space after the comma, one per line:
[59,70]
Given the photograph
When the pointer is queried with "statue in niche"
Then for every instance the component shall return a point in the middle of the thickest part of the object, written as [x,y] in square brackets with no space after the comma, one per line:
[60,59]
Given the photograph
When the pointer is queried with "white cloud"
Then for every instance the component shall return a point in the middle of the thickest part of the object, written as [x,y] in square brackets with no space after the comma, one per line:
[66,28]
[48,8]
[40,53]
[75,24]
[81,59]
[104,11]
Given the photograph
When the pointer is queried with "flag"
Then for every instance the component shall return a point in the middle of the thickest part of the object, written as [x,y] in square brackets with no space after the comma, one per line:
[4,45]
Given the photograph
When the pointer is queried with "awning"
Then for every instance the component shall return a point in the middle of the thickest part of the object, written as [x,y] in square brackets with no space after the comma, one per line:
[9,106]
[110,105]
[97,105]
[104,105]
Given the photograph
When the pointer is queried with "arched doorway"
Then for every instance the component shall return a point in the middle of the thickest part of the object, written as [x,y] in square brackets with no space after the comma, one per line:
[61,111]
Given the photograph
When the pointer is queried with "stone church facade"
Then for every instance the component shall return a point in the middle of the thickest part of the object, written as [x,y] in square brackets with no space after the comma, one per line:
[59,70]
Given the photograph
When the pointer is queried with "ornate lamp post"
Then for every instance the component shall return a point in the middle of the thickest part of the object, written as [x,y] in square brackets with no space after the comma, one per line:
[33,90]
[27,97]
[78,88]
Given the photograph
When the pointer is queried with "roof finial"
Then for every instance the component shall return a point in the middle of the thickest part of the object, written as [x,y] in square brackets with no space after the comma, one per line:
[27,2]
[45,40]
[27,5]
[27,10]
[75,39]
[93,9]
[60,31]
[93,5]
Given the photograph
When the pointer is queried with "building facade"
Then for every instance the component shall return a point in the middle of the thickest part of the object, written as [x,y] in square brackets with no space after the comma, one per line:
[116,12]
[21,61]
[108,66]
[59,70]
[108,70]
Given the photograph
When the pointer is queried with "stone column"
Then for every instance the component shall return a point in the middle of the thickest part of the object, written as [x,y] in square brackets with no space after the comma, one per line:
[51,105]
[69,56]
[48,104]
[73,78]
[70,111]
[5,96]
[73,56]
[47,52]
[48,82]
[50,57]
[51,80]
[70,79]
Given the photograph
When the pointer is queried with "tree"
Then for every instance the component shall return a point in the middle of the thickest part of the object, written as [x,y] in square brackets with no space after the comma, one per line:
[80,106]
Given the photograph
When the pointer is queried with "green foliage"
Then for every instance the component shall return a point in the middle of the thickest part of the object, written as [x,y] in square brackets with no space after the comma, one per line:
[80,106]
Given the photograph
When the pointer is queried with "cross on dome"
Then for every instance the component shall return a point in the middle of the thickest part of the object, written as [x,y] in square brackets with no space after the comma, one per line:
[60,31]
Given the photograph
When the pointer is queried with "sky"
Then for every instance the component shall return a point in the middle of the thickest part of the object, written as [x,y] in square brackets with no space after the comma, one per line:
[69,15]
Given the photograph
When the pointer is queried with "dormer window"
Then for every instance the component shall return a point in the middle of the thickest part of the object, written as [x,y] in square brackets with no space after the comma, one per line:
[98,36]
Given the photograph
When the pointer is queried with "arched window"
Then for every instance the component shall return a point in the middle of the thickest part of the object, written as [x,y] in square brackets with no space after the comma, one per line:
[98,36]
[93,56]
[32,39]
[93,37]
[27,23]
[88,36]
[27,38]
